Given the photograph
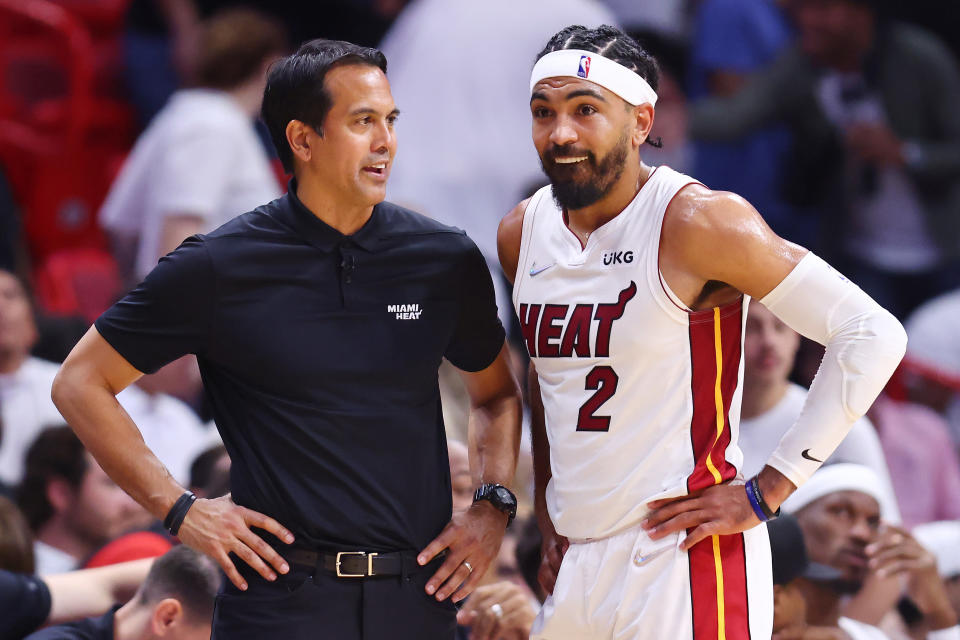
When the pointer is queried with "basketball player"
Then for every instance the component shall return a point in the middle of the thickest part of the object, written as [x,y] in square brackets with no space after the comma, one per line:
[631,284]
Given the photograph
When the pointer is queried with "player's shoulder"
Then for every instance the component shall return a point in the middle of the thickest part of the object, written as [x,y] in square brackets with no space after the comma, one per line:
[697,210]
[509,237]
[511,225]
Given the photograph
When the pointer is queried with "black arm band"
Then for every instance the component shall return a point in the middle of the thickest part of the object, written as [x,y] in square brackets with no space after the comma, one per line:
[178,512]
[767,511]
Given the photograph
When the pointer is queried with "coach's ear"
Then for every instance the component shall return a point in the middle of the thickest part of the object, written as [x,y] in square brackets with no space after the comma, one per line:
[300,137]
[643,122]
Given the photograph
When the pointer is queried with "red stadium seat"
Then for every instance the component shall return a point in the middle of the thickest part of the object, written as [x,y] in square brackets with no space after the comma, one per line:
[80,282]
[60,140]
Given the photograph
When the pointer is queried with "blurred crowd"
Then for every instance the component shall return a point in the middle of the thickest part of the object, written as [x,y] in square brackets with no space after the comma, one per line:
[129,125]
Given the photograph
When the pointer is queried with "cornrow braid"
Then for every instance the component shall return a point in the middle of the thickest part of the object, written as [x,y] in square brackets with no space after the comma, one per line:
[611,43]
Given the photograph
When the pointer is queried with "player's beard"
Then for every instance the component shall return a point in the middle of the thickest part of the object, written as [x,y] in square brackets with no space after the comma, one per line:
[575,193]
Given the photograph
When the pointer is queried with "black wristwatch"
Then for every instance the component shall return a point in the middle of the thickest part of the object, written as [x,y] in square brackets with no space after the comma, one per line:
[500,497]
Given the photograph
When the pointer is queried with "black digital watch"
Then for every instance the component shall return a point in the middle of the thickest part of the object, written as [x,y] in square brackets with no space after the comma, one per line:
[500,497]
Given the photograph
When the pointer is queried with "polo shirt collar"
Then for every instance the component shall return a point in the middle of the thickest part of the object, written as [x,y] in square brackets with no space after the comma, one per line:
[323,236]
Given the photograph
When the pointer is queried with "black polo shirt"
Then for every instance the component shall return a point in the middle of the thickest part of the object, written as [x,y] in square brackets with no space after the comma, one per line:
[319,353]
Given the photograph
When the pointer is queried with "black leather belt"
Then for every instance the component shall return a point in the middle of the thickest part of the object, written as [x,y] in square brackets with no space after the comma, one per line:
[355,564]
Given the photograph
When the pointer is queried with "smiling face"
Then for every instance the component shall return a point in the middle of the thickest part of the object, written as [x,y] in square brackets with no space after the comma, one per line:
[352,159]
[587,138]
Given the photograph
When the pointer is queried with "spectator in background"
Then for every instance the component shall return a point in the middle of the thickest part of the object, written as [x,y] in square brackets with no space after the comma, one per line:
[26,408]
[210,473]
[25,381]
[200,160]
[922,459]
[29,601]
[871,103]
[788,557]
[72,506]
[175,602]
[839,510]
[943,540]
[16,540]
[456,71]
[771,403]
[732,39]
[932,362]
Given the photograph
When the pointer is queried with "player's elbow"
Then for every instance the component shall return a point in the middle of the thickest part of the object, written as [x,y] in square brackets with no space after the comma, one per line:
[889,339]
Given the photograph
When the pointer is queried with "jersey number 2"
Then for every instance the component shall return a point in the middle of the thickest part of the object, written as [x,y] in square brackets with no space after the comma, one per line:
[603,380]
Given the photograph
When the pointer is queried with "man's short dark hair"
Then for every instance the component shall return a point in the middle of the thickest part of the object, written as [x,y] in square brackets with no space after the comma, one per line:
[296,89]
[190,577]
[611,43]
[56,453]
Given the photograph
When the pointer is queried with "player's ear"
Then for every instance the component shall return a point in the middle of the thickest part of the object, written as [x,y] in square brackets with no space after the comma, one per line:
[643,122]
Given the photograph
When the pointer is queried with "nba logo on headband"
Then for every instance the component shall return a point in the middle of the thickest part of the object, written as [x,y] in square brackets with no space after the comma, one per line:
[584,69]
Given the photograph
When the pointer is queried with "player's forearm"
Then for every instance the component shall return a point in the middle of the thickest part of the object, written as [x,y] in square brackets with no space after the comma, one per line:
[494,429]
[864,345]
[108,433]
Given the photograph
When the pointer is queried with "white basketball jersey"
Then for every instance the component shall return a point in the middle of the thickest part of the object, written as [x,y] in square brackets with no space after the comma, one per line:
[641,395]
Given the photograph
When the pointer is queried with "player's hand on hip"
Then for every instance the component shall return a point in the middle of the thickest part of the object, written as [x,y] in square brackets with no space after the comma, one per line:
[472,540]
[496,611]
[722,509]
[553,547]
[219,526]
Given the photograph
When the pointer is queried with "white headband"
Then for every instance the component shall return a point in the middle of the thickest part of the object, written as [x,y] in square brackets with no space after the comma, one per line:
[844,476]
[578,63]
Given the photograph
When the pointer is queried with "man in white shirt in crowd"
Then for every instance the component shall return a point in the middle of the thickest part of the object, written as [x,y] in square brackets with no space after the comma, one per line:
[167,424]
[200,160]
[772,404]
[24,380]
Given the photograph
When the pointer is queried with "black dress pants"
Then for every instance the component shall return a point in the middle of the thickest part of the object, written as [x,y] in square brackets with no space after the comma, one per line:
[314,605]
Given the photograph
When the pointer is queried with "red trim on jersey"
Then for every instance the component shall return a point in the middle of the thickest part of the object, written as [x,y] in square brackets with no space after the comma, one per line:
[703,425]
[708,604]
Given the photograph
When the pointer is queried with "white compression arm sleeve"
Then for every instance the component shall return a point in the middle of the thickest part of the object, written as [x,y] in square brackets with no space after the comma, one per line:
[864,344]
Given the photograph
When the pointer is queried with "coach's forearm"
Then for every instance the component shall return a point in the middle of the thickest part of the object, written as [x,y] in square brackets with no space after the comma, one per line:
[494,429]
[539,445]
[91,409]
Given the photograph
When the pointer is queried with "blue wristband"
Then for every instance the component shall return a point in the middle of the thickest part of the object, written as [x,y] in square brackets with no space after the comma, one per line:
[760,507]
[754,502]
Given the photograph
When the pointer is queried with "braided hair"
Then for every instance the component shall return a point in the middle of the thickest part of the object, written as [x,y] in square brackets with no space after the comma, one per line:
[613,44]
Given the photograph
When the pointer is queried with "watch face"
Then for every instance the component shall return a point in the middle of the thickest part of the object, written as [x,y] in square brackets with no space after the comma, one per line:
[503,496]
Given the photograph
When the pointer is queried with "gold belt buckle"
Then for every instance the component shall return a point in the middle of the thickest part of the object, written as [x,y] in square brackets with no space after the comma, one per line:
[369,556]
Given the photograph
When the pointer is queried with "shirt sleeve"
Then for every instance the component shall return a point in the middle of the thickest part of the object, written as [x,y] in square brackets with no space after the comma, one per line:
[25,603]
[169,314]
[478,336]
